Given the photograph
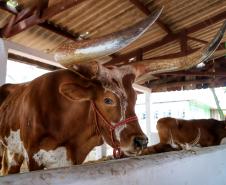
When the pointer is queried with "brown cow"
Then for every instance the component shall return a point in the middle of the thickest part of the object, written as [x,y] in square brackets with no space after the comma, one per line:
[58,118]
[178,134]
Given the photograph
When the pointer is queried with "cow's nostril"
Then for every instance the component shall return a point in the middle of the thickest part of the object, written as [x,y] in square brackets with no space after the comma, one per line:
[140,142]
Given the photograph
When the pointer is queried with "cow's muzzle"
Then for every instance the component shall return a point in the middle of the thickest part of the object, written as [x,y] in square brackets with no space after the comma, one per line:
[140,142]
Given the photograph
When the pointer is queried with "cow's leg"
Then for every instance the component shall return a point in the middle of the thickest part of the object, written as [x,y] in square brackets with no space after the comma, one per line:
[15,163]
[1,155]
[158,148]
[163,132]
[166,137]
[45,144]
[33,165]
[4,170]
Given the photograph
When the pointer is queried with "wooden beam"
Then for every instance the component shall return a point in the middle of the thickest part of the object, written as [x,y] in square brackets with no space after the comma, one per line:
[146,11]
[173,55]
[30,61]
[179,84]
[59,30]
[127,56]
[49,26]
[197,40]
[33,54]
[167,39]
[206,23]
[191,73]
[3,61]
[59,7]
[47,13]
[184,43]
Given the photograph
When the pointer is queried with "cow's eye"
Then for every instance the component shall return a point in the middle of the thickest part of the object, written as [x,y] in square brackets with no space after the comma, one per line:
[108,101]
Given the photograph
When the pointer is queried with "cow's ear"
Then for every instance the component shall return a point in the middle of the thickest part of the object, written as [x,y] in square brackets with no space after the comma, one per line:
[75,92]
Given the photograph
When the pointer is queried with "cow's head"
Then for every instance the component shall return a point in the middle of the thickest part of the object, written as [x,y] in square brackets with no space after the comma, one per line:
[113,101]
[110,89]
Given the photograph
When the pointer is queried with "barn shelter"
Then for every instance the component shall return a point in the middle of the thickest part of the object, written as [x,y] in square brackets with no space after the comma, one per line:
[39,29]
[184,27]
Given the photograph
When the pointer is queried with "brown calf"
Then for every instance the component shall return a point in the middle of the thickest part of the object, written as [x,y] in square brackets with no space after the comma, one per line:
[177,134]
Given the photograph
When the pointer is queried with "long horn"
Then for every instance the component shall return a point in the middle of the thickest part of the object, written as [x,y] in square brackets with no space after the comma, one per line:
[86,50]
[150,67]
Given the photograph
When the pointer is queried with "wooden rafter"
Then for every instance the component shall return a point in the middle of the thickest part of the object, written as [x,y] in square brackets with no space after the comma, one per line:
[29,61]
[35,19]
[191,73]
[173,55]
[184,43]
[59,30]
[180,84]
[197,40]
[146,11]
[168,38]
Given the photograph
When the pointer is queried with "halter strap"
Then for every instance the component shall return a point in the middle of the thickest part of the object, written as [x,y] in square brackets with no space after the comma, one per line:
[116,149]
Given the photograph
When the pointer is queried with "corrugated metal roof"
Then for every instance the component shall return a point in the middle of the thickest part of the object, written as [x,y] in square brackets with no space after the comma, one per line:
[102,17]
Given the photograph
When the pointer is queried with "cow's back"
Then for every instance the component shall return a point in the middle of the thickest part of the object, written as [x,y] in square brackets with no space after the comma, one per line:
[6,90]
[164,125]
[32,108]
[186,131]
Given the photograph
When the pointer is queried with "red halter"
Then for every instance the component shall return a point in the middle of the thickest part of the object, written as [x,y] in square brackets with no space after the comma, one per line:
[116,149]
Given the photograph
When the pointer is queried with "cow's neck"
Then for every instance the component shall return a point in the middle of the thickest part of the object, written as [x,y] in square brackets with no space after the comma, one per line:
[88,139]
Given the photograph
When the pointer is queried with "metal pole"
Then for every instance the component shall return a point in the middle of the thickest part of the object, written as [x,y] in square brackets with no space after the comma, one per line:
[3,61]
[148,115]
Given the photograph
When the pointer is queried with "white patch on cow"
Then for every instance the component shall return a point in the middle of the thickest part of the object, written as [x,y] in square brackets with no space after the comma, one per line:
[193,144]
[223,141]
[52,158]
[108,77]
[171,141]
[12,162]
[15,145]
[118,131]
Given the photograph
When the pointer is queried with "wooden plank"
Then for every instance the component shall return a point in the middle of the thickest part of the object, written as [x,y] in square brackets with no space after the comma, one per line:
[3,61]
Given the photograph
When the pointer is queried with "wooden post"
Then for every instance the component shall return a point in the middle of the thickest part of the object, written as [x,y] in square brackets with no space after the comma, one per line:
[3,61]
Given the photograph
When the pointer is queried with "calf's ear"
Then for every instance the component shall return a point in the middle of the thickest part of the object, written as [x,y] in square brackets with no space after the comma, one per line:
[75,92]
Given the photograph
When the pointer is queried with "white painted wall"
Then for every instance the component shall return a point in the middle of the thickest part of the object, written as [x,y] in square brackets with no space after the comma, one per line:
[205,167]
